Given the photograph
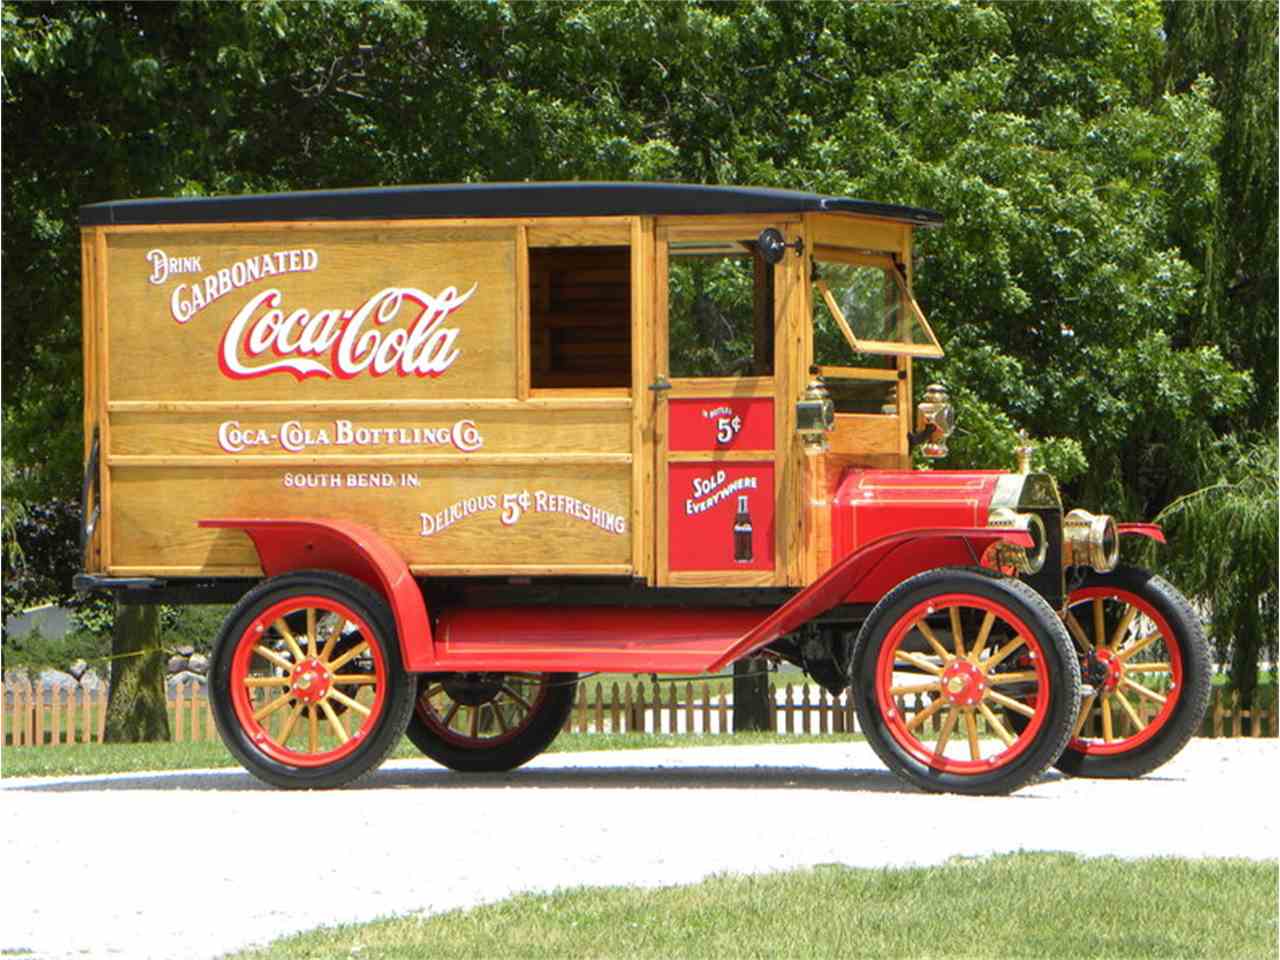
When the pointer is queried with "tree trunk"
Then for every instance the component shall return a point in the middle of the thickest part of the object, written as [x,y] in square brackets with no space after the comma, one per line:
[751,695]
[137,709]
[1246,653]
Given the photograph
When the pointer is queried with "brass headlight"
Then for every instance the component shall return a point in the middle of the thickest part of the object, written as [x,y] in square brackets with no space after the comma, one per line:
[1090,540]
[1022,559]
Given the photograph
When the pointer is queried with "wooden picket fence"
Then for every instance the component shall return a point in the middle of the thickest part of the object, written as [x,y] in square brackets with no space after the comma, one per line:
[35,718]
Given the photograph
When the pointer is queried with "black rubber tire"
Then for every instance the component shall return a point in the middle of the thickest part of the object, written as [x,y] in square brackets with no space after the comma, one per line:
[1197,675]
[400,685]
[542,729]
[1060,662]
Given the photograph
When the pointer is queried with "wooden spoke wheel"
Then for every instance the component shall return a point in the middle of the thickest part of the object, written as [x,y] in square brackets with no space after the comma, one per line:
[486,722]
[940,662]
[1146,666]
[306,682]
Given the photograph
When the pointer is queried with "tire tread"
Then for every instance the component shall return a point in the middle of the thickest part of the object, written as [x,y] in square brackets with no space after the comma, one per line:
[399,693]
[1047,751]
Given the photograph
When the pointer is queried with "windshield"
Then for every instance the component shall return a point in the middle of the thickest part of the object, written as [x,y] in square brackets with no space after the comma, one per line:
[865,297]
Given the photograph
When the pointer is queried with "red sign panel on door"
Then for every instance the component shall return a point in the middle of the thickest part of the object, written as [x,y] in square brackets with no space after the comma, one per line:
[718,424]
[720,516]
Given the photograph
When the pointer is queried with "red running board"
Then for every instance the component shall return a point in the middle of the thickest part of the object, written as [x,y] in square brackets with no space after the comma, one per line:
[589,639]
[667,640]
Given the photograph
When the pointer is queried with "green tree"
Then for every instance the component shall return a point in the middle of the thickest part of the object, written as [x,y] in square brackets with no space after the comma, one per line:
[1232,522]
[1106,279]
[1235,45]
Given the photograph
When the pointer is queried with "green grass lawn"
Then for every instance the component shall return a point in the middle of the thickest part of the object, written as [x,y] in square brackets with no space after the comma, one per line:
[1033,905]
[94,758]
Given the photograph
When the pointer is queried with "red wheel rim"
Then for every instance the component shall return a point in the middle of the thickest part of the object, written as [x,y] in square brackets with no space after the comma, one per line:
[481,710]
[1135,645]
[308,681]
[965,688]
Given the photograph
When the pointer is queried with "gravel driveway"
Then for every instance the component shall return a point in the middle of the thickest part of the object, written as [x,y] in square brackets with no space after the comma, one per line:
[193,864]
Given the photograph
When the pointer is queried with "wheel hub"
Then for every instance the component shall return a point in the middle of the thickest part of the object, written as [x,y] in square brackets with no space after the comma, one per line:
[963,683]
[310,681]
[1106,670]
[473,689]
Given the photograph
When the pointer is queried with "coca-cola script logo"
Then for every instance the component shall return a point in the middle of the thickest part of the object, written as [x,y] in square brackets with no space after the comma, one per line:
[343,343]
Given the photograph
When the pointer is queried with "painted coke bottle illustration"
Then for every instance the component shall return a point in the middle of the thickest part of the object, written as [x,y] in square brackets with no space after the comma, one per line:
[742,532]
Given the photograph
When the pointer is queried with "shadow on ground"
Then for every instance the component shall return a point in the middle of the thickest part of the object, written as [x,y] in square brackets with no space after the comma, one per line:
[431,777]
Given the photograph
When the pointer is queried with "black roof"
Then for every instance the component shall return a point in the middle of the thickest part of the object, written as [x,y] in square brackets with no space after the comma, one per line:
[573,199]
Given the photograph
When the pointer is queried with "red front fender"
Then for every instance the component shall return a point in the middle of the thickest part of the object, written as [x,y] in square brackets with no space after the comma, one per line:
[869,573]
[285,545]
[1150,530]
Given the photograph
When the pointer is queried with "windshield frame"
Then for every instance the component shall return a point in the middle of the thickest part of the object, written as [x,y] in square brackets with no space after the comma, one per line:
[868,258]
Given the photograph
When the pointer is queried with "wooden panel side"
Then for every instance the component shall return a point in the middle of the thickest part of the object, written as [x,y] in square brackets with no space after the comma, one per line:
[87,353]
[88,335]
[817,518]
[455,515]
[721,578]
[362,313]
[792,351]
[842,230]
[373,431]
[722,387]
[569,227]
[906,386]
[642,412]
[580,233]
[523,308]
[660,409]
[746,227]
[104,393]
[866,434]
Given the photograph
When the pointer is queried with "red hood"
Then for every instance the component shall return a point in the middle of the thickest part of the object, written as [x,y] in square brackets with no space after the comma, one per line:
[872,503]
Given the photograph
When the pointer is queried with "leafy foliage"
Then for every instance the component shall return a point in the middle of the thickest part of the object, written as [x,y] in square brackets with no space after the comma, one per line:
[1106,278]
[42,555]
[1229,527]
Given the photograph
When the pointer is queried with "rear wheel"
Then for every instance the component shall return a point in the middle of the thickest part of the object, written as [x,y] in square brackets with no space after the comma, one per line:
[939,661]
[489,722]
[1144,655]
[306,683]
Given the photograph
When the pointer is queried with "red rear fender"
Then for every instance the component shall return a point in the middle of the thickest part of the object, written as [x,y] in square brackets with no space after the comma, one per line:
[286,545]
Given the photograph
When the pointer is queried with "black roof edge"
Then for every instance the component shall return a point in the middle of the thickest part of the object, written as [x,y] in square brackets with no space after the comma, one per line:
[488,200]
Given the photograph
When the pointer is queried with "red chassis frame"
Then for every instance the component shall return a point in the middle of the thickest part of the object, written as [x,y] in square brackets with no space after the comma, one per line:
[606,639]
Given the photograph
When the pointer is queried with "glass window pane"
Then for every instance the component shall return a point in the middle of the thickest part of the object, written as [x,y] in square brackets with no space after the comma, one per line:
[720,313]
[875,304]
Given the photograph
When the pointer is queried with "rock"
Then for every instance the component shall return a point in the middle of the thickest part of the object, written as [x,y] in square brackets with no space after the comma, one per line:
[56,680]
[186,650]
[78,669]
[198,663]
[193,681]
[176,664]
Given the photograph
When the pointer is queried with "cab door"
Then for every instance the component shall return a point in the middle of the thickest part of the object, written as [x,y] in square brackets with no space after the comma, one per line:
[721,314]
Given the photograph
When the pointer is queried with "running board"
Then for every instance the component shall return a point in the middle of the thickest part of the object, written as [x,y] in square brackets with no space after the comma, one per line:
[666,640]
[588,639]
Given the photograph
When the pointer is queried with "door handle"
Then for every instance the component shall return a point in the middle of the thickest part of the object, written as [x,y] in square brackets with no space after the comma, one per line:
[662,383]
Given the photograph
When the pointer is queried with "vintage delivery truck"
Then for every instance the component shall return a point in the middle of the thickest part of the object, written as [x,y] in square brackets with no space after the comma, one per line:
[448,447]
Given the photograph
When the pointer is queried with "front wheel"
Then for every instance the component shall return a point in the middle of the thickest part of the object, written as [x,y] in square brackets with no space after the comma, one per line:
[306,683]
[939,661]
[489,722]
[1144,655]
